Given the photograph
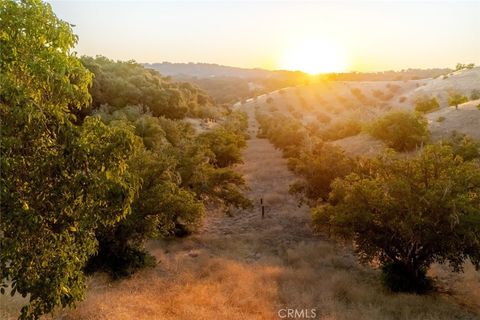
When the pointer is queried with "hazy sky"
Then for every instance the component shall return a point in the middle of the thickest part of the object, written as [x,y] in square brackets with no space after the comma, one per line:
[368,35]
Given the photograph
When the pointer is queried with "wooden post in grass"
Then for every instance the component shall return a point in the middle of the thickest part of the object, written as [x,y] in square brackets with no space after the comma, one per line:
[263,208]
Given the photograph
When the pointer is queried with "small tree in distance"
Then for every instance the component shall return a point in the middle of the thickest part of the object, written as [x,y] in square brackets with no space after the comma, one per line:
[455,98]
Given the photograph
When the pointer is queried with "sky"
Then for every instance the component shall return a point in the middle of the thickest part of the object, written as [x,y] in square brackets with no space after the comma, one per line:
[312,36]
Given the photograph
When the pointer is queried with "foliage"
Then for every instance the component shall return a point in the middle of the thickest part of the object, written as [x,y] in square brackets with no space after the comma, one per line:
[179,170]
[284,132]
[59,185]
[425,104]
[341,129]
[475,94]
[462,66]
[318,166]
[455,98]
[409,213]
[120,84]
[463,146]
[400,130]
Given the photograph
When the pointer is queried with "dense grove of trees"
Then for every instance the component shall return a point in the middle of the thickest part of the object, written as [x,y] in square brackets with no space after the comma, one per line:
[88,173]
[120,84]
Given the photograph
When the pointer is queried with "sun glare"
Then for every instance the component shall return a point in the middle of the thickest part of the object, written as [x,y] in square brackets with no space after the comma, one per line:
[314,57]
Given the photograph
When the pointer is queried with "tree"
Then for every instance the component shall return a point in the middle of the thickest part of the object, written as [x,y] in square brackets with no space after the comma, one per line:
[318,167]
[463,146]
[120,84]
[408,213]
[461,66]
[455,98]
[400,130]
[425,104]
[58,184]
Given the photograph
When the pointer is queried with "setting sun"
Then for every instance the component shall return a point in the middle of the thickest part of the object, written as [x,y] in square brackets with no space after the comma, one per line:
[314,57]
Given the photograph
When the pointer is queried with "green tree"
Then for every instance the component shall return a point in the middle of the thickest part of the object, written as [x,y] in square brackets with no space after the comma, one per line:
[463,146]
[455,98]
[58,184]
[400,130]
[319,166]
[425,104]
[408,213]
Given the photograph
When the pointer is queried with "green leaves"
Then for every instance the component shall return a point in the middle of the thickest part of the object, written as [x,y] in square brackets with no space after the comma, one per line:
[54,190]
[400,130]
[412,211]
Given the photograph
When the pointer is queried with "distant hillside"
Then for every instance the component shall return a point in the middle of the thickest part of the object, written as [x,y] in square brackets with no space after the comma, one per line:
[229,84]
[208,70]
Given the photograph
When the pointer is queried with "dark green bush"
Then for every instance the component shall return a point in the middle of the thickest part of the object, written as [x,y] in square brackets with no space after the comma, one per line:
[398,278]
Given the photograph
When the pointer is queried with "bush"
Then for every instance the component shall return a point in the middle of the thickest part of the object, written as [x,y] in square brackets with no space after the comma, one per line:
[475,94]
[318,167]
[425,104]
[463,146]
[408,213]
[441,119]
[400,130]
[402,99]
[341,129]
[455,98]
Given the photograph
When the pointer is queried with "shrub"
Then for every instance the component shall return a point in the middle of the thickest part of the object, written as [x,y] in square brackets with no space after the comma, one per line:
[400,130]
[318,167]
[463,146]
[402,99]
[440,119]
[455,98]
[408,213]
[341,129]
[475,94]
[425,104]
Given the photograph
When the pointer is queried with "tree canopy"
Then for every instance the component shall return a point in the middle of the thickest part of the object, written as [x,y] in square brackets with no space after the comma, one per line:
[408,213]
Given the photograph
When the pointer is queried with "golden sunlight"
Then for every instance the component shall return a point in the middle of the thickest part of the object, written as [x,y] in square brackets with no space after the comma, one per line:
[314,57]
